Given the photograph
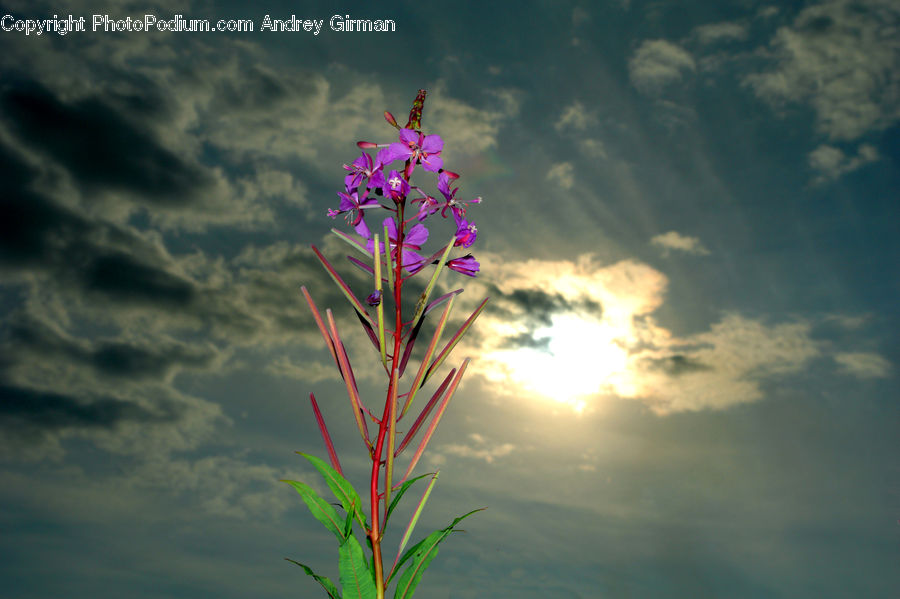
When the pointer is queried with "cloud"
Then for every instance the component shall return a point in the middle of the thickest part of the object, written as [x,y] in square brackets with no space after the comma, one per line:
[720,368]
[575,117]
[49,410]
[544,338]
[831,162]
[468,130]
[479,449]
[863,365]
[678,242]
[657,64]
[843,59]
[220,485]
[593,147]
[38,338]
[720,32]
[99,147]
[310,372]
[562,174]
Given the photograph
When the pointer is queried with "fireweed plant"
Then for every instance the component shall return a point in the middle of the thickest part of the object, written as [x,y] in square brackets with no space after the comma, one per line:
[391,249]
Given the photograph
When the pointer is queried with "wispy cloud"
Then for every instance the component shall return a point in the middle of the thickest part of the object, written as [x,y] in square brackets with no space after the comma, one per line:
[575,117]
[309,372]
[657,64]
[674,240]
[477,448]
[863,365]
[841,58]
[830,162]
[562,174]
[720,32]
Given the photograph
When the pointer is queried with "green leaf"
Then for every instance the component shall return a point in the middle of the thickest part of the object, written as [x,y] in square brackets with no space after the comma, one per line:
[357,580]
[425,552]
[400,493]
[321,509]
[422,553]
[341,488]
[348,524]
[412,521]
[329,587]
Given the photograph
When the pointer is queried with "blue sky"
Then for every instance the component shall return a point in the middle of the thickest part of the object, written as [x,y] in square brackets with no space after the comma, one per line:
[685,382]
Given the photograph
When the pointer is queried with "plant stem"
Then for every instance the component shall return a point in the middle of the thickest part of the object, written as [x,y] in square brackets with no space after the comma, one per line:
[387,425]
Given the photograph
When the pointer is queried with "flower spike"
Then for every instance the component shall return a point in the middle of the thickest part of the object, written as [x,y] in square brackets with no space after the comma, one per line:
[415,115]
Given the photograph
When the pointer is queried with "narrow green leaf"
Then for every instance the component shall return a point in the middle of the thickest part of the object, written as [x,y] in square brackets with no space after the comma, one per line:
[354,243]
[321,509]
[379,309]
[413,335]
[420,375]
[341,487]
[423,300]
[441,300]
[387,257]
[422,553]
[348,523]
[414,519]
[402,490]
[357,580]
[408,582]
[454,340]
[329,587]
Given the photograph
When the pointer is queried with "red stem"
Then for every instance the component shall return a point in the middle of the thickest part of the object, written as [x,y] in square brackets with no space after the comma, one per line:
[387,421]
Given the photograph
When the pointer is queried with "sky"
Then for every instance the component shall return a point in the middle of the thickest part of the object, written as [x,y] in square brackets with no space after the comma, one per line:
[684,383]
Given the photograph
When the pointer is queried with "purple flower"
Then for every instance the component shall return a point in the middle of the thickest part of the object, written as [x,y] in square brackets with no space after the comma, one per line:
[395,187]
[457,206]
[363,167]
[353,206]
[429,206]
[415,237]
[374,298]
[466,233]
[417,148]
[466,265]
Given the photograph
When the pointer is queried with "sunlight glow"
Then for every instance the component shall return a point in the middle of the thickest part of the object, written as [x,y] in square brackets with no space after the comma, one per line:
[574,357]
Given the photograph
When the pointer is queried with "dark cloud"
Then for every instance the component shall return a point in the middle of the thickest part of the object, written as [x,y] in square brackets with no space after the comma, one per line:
[676,365]
[538,305]
[32,228]
[39,233]
[256,90]
[526,340]
[114,358]
[124,278]
[98,145]
[20,406]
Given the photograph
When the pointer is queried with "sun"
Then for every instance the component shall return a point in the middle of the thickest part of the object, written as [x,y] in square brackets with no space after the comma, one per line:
[573,358]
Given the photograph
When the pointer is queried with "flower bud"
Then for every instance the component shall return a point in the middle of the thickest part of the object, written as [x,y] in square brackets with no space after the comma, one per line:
[415,115]
[365,145]
[374,298]
[390,119]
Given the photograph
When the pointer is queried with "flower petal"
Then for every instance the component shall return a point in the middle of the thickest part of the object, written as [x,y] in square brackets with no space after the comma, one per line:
[418,235]
[408,136]
[432,144]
